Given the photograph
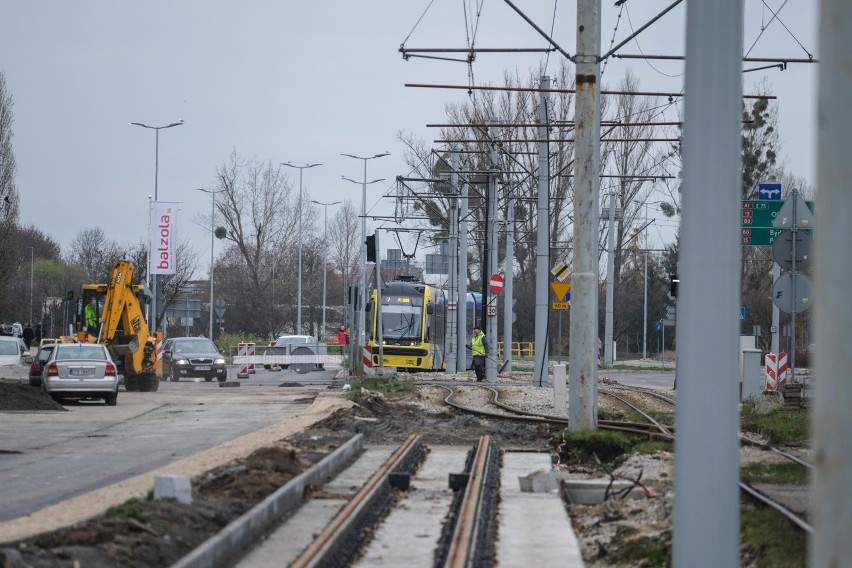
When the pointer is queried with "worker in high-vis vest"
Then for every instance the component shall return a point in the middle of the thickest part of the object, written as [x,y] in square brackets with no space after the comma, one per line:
[91,317]
[479,348]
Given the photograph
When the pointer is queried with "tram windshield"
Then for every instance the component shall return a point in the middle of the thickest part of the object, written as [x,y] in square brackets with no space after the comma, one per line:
[401,322]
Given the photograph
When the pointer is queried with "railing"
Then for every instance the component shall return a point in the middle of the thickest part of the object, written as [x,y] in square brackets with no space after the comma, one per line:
[519,348]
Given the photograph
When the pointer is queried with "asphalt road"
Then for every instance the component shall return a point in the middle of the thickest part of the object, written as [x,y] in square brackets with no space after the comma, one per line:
[50,456]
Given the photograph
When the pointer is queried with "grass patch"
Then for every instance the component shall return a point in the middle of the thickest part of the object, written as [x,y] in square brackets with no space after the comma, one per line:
[132,508]
[655,446]
[779,427]
[390,388]
[585,445]
[783,473]
[768,540]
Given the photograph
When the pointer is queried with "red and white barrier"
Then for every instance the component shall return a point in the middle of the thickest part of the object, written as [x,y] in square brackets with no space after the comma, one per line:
[244,350]
[777,371]
[368,357]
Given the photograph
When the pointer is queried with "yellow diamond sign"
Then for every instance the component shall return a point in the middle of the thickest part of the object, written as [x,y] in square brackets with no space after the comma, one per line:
[560,289]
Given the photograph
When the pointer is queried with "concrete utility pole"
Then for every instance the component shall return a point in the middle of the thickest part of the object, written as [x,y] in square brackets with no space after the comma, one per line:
[509,271]
[706,508]
[830,418]
[610,282]
[542,259]
[583,371]
[450,357]
[462,274]
[491,319]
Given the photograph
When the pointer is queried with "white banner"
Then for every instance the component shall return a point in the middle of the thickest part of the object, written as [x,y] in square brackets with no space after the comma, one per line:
[163,237]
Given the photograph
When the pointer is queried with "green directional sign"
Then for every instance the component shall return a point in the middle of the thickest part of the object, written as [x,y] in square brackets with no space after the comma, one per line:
[756,217]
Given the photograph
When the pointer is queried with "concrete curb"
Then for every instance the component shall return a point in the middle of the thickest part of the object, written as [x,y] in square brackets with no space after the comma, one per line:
[225,547]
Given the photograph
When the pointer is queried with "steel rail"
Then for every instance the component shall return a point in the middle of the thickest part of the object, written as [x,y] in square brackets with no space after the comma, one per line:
[768,501]
[463,543]
[644,414]
[321,549]
[629,427]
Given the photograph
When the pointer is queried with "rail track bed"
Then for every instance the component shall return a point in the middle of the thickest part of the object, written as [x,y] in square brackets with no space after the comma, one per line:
[407,505]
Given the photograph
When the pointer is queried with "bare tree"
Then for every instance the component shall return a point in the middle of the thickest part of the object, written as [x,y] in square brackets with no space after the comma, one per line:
[9,199]
[92,250]
[344,243]
[260,218]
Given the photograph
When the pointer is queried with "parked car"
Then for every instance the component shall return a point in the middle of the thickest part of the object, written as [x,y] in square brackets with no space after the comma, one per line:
[185,357]
[80,371]
[37,367]
[13,351]
[297,345]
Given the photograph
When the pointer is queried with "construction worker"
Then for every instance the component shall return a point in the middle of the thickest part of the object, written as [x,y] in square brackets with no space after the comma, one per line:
[479,347]
[91,317]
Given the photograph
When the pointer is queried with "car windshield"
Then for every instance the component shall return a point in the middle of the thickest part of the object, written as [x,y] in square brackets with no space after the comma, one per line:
[9,348]
[88,352]
[44,353]
[195,346]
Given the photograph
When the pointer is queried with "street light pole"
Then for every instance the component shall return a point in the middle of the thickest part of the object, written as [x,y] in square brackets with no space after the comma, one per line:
[156,130]
[362,316]
[212,234]
[324,258]
[32,269]
[299,286]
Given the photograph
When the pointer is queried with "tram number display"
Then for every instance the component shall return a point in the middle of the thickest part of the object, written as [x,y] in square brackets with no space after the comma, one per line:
[396,300]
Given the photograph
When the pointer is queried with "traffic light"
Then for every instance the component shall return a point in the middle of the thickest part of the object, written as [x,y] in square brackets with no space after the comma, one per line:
[673,285]
[371,248]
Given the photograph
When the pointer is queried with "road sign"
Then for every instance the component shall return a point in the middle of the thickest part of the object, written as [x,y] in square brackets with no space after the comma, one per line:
[782,292]
[495,283]
[782,249]
[560,305]
[671,312]
[560,289]
[769,191]
[742,313]
[451,305]
[756,221]
[560,271]
[668,322]
[804,215]
[491,311]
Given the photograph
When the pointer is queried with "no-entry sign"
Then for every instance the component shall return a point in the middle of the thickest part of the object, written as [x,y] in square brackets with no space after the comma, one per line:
[495,283]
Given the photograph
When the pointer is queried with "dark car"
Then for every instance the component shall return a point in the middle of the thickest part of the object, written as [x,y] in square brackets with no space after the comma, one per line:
[185,357]
[37,367]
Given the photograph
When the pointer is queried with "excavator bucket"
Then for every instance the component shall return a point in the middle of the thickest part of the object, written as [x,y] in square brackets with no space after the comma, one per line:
[125,345]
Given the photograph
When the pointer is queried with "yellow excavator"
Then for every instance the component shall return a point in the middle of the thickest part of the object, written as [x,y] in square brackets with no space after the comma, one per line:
[111,314]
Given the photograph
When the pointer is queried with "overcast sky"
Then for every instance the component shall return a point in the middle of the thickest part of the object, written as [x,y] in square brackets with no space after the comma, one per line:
[286,80]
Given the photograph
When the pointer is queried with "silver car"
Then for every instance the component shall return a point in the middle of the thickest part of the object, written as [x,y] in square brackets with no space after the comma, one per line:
[81,371]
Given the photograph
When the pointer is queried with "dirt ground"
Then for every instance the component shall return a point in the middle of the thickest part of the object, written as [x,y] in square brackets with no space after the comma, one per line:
[144,533]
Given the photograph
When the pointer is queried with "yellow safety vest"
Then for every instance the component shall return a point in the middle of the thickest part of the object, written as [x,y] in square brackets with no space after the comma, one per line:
[91,319]
[477,348]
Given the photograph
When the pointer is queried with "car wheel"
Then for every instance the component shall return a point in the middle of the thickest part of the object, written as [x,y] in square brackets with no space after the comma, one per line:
[111,398]
[174,377]
[221,379]
[208,379]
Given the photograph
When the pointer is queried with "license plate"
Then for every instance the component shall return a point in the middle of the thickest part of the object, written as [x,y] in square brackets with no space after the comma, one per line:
[82,371]
[202,368]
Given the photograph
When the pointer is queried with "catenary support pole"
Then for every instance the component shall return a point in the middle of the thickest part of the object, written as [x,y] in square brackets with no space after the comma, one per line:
[493,224]
[583,369]
[542,258]
[706,508]
[380,338]
[462,274]
[776,313]
[450,357]
[831,420]
[509,272]
[610,282]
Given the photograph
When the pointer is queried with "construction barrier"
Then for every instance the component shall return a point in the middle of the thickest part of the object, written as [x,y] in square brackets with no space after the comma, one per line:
[368,357]
[777,371]
[244,351]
